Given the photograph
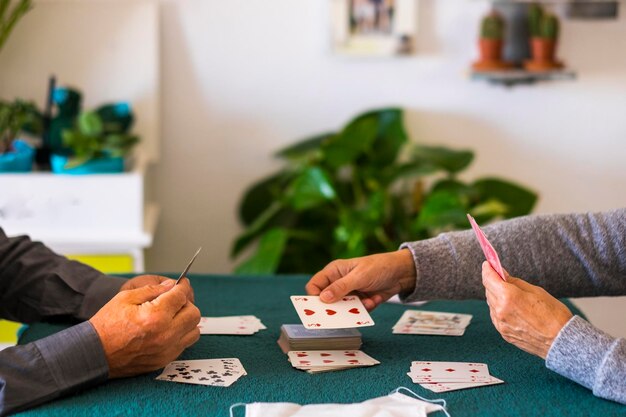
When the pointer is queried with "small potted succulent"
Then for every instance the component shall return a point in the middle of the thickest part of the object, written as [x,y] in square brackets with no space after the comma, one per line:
[16,155]
[544,33]
[490,43]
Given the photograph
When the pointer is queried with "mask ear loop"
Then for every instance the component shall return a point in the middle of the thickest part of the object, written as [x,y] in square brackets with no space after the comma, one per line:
[232,408]
[438,401]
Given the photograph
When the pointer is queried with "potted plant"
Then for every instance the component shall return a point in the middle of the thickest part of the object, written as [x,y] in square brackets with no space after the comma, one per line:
[98,142]
[544,32]
[361,190]
[16,155]
[490,43]
[9,18]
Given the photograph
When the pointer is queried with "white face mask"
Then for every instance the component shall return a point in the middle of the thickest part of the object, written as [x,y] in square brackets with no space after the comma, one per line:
[392,405]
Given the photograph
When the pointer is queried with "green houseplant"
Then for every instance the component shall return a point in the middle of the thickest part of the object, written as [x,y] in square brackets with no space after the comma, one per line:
[362,190]
[10,16]
[86,142]
[544,30]
[491,37]
[16,117]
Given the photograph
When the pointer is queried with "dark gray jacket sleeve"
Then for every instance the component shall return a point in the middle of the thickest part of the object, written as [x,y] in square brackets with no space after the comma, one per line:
[570,255]
[67,361]
[36,283]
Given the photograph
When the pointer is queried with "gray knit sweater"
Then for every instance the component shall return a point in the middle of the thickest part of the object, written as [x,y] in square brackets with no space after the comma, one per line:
[570,255]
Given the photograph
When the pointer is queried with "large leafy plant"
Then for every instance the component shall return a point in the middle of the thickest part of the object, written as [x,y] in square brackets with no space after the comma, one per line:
[362,190]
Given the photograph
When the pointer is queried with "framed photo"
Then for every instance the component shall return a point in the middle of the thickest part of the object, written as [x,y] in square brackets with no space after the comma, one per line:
[373,27]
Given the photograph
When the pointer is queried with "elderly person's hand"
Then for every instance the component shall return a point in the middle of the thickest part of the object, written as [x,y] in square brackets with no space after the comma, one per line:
[143,280]
[524,314]
[373,278]
[144,329]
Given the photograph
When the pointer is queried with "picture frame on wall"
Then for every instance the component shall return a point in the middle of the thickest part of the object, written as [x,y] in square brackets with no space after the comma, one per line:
[373,27]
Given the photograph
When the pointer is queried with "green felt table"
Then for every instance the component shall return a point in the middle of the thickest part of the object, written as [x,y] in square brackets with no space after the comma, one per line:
[530,389]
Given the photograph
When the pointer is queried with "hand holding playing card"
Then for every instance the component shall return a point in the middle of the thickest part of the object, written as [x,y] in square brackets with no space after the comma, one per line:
[524,314]
[143,280]
[374,278]
[143,329]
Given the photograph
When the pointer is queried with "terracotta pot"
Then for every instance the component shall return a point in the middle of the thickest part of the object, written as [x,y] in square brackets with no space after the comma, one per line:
[490,49]
[543,49]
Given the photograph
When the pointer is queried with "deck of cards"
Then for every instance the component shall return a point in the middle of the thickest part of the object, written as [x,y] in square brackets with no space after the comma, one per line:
[451,376]
[345,313]
[214,372]
[232,325]
[315,361]
[432,323]
[297,337]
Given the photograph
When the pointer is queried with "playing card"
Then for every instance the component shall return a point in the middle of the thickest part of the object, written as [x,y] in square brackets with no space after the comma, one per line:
[330,358]
[345,313]
[233,325]
[432,323]
[297,331]
[422,371]
[453,386]
[488,250]
[214,372]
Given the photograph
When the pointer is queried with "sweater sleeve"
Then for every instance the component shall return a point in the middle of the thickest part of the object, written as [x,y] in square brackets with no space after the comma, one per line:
[591,358]
[38,372]
[569,255]
[36,283]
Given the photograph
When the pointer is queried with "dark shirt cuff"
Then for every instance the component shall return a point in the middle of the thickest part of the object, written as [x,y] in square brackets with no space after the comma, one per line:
[48,368]
[75,357]
[98,294]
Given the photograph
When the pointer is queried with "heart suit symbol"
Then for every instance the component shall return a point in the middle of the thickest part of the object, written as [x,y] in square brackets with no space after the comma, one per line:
[330,312]
[308,312]
[354,310]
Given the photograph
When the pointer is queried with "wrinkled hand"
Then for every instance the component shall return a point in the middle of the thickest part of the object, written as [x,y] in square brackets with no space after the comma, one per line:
[144,329]
[143,280]
[525,315]
[374,278]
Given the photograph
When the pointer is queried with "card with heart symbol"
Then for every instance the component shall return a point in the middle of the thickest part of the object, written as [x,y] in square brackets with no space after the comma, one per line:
[345,313]
[214,372]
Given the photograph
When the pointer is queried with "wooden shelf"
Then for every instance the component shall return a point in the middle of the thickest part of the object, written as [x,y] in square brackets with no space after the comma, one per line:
[511,78]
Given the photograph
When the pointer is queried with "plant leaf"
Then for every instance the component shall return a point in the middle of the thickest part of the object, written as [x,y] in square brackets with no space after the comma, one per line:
[256,228]
[446,159]
[519,200]
[267,256]
[305,149]
[309,189]
[390,138]
[89,123]
[353,141]
[261,195]
[442,210]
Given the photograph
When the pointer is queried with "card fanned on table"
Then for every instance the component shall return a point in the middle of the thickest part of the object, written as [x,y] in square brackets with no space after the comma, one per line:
[297,337]
[214,372]
[315,361]
[343,314]
[233,325]
[451,376]
[432,323]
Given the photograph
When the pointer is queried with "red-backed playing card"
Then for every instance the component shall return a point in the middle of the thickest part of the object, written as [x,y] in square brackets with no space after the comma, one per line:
[488,250]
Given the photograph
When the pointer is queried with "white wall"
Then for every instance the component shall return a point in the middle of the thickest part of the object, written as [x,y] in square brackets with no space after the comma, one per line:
[243,78]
